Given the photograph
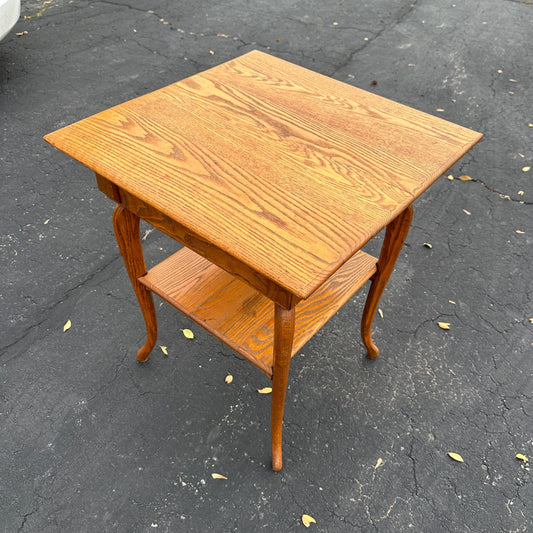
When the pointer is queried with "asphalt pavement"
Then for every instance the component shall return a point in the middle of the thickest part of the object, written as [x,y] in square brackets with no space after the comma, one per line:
[92,441]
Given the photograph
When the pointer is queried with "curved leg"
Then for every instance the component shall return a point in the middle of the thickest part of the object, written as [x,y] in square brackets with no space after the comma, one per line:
[283,337]
[392,244]
[126,226]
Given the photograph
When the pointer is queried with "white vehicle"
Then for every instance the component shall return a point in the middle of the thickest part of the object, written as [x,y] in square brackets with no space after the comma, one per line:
[9,14]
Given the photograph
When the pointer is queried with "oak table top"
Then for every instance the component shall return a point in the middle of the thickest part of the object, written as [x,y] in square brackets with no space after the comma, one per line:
[285,170]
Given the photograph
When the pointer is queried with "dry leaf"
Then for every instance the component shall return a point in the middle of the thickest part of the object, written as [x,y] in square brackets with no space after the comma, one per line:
[520,232]
[530,125]
[522,458]
[427,245]
[229,378]
[307,520]
[526,169]
[188,333]
[466,212]
[440,110]
[512,81]
[465,178]
[443,325]
[46,221]
[379,463]
[218,476]
[335,24]
[67,325]
[380,313]
[164,349]
[211,52]
[520,193]
[455,457]
[531,320]
[451,301]
[450,177]
[265,390]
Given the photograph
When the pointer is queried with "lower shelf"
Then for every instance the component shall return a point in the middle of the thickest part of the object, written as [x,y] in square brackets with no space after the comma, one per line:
[237,314]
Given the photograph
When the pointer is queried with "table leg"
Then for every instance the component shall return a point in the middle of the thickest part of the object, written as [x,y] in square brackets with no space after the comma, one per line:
[283,337]
[392,244]
[126,226]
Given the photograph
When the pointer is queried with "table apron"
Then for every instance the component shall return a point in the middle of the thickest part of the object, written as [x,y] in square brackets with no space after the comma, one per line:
[192,240]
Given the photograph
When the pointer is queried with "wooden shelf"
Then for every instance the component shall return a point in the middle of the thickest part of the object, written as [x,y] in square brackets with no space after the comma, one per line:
[237,314]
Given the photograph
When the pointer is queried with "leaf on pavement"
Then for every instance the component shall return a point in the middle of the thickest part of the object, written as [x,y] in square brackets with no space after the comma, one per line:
[443,325]
[68,325]
[307,520]
[188,333]
[455,457]
[265,390]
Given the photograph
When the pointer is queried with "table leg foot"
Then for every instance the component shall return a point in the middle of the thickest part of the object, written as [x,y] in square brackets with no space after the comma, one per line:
[126,225]
[392,244]
[283,337]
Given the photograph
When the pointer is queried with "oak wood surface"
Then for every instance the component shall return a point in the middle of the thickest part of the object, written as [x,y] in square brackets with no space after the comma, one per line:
[286,170]
[240,316]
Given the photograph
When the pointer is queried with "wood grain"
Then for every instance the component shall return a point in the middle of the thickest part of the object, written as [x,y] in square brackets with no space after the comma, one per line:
[240,316]
[288,171]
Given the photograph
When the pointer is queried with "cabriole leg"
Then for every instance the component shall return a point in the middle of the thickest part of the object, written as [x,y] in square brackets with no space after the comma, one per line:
[283,337]
[392,244]
[126,225]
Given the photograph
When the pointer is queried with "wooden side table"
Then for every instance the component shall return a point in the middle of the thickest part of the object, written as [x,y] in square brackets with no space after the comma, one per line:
[273,177]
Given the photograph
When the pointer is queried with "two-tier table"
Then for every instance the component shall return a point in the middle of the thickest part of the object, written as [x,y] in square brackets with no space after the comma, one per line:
[273,177]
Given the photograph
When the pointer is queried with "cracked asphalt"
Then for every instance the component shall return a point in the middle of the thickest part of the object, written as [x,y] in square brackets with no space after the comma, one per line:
[92,441]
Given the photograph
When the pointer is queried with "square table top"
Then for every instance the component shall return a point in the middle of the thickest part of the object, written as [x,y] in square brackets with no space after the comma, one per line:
[286,170]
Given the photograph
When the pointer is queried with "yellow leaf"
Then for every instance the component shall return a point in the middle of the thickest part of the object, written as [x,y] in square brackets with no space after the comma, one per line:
[164,349]
[67,325]
[531,320]
[427,245]
[380,313]
[452,302]
[188,333]
[455,457]
[526,169]
[218,476]
[466,212]
[307,520]
[443,325]
[520,193]
[211,52]
[530,125]
[265,390]
[522,458]
[450,177]
[46,221]
[379,463]
[520,232]
[465,178]
[229,378]
[440,110]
